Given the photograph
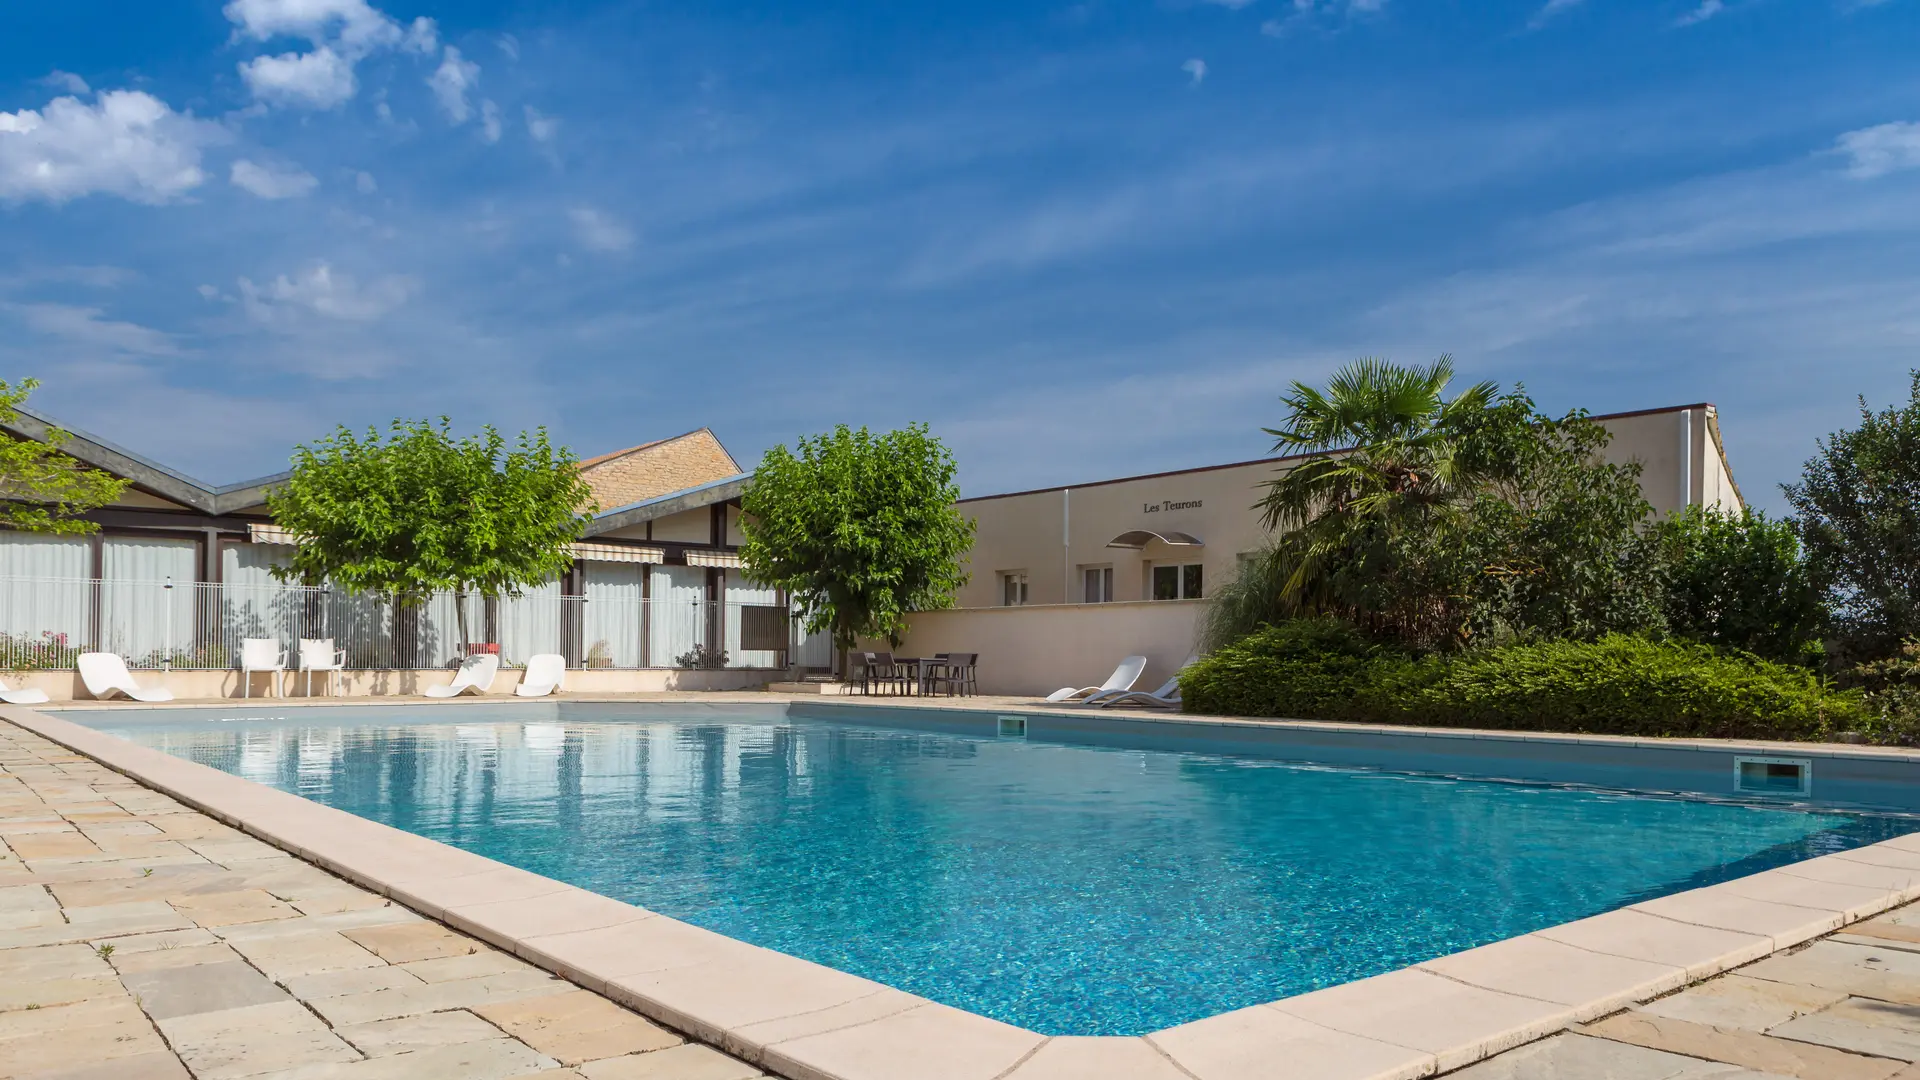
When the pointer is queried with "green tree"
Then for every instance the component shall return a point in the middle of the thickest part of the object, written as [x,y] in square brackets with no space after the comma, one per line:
[859,529]
[1436,521]
[419,511]
[43,490]
[1739,581]
[1858,504]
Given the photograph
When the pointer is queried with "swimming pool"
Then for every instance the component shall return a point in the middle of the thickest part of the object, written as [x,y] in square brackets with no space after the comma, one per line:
[1069,889]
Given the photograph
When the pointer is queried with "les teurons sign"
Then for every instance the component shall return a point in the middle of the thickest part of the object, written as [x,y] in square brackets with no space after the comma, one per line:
[1169,504]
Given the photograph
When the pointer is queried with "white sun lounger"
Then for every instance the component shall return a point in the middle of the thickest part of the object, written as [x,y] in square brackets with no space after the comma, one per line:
[1166,697]
[476,674]
[545,672]
[1123,678]
[28,696]
[106,675]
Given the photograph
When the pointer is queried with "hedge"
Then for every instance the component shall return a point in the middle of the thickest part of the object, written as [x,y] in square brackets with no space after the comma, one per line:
[1618,685]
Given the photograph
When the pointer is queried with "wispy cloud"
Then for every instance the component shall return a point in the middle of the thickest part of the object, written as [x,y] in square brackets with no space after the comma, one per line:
[90,328]
[1707,9]
[599,231]
[65,80]
[1550,10]
[1881,149]
[322,291]
[341,33]
[268,182]
[1196,70]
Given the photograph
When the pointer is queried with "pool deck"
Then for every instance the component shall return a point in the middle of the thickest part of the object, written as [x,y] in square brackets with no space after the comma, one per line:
[234,958]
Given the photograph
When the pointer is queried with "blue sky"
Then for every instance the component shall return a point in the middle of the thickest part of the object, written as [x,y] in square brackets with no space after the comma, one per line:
[1079,239]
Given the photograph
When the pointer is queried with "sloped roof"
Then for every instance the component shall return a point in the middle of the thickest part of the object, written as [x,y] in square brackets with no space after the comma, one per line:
[146,474]
[661,467]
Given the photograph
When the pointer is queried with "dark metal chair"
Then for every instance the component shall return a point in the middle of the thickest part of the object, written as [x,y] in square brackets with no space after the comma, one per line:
[956,672]
[879,669]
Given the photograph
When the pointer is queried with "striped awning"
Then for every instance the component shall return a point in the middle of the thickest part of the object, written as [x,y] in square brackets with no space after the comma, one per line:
[270,534]
[606,553]
[620,553]
[729,559]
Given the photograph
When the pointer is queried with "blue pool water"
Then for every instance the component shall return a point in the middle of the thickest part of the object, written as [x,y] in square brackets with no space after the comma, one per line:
[1068,889]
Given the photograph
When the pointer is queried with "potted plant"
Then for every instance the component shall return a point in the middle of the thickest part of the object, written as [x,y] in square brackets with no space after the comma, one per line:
[599,655]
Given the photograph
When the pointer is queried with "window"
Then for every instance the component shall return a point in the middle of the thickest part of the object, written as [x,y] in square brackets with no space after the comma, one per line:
[1013,588]
[1177,582]
[1099,584]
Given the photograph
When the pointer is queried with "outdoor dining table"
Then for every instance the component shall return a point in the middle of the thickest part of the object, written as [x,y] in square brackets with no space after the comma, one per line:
[923,669]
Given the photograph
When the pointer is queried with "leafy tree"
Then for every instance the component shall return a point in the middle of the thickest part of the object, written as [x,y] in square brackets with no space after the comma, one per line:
[419,511]
[1739,581]
[1436,521]
[1858,503]
[859,529]
[41,489]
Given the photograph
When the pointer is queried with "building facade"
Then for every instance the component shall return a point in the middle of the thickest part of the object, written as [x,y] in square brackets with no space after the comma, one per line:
[1173,535]
[180,571]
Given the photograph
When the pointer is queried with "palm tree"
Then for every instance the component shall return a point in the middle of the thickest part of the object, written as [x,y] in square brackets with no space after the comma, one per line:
[1386,453]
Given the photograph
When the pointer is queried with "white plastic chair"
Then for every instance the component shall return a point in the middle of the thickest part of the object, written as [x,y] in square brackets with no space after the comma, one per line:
[318,654]
[1122,679]
[476,674]
[1166,697]
[262,654]
[545,672]
[105,675]
[28,696]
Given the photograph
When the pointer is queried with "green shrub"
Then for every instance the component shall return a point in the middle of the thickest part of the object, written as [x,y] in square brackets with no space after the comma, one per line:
[1617,685]
[1302,668]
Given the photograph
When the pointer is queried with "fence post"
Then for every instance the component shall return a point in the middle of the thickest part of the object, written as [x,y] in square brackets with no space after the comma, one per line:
[166,655]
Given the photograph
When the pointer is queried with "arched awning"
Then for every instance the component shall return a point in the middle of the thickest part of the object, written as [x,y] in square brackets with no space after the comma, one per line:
[1139,538]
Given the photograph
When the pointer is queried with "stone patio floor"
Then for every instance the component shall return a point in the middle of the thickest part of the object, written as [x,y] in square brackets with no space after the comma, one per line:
[142,940]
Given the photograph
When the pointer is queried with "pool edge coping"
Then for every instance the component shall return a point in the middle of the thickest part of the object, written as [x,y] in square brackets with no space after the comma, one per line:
[810,1022]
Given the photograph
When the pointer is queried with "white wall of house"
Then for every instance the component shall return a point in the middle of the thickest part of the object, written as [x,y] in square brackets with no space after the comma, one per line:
[1036,650]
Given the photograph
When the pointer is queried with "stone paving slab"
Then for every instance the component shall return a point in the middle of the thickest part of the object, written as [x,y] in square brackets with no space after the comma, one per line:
[142,940]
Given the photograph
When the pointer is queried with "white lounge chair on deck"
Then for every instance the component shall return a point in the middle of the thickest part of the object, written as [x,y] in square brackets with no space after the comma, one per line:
[1166,697]
[1123,678]
[318,654]
[262,654]
[105,674]
[476,674]
[27,696]
[544,674]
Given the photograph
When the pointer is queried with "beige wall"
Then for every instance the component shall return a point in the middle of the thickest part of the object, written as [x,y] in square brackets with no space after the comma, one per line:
[202,685]
[1037,650]
[687,527]
[1052,536]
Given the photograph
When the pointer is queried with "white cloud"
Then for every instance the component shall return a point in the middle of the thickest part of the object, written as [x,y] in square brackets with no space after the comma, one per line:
[509,45]
[450,83]
[541,126]
[342,32]
[321,291]
[1881,149]
[87,327]
[1706,10]
[320,79]
[356,26]
[65,80]
[127,143]
[365,184]
[1550,9]
[270,183]
[490,121]
[599,231]
[1196,70]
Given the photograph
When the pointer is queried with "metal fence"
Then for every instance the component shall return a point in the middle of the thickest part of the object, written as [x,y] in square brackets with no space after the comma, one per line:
[45,623]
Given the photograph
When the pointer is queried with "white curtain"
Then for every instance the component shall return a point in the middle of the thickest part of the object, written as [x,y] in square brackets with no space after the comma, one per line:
[739,593]
[46,598]
[253,604]
[614,602]
[140,618]
[529,623]
[678,613]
